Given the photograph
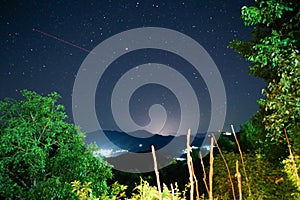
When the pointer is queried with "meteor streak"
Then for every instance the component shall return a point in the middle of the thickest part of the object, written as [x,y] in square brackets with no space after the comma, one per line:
[64,41]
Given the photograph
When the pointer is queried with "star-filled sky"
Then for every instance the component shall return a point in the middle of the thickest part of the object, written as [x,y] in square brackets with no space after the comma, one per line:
[44,43]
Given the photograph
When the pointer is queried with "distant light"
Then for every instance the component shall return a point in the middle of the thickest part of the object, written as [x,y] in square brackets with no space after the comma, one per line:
[109,152]
[207,147]
[140,145]
[192,147]
[103,152]
[227,133]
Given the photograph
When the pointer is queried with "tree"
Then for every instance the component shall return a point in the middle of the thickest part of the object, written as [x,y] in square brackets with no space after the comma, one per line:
[274,53]
[41,154]
[249,137]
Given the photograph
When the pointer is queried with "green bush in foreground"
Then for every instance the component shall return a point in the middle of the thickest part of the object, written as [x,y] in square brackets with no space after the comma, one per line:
[142,191]
[41,154]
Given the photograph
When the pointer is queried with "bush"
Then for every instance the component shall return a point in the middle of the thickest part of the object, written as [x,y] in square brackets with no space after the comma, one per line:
[267,181]
[41,154]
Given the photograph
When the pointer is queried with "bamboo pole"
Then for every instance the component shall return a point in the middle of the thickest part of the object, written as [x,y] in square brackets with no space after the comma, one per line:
[156,172]
[204,173]
[189,163]
[242,159]
[211,170]
[239,179]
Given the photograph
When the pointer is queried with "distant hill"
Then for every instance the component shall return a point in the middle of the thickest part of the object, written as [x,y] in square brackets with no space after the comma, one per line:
[141,141]
[130,151]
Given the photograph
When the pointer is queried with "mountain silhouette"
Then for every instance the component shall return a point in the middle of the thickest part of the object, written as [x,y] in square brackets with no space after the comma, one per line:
[141,141]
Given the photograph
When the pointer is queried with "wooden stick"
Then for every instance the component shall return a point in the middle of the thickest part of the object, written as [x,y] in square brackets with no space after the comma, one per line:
[239,177]
[211,170]
[204,173]
[227,167]
[242,159]
[156,172]
[173,193]
[189,163]
[196,183]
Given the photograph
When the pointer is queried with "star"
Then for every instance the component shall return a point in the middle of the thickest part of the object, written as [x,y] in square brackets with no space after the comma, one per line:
[29,57]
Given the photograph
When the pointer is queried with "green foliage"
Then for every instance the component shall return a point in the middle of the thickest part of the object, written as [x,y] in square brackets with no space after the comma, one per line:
[147,192]
[274,52]
[175,172]
[84,191]
[291,168]
[40,153]
[266,12]
[252,139]
[143,191]
[249,137]
[226,144]
[267,181]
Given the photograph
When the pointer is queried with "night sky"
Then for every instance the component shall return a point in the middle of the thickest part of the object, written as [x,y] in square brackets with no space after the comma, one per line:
[31,59]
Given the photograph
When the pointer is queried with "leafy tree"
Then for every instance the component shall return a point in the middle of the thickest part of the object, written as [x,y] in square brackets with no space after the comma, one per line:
[274,52]
[41,154]
[249,137]
[226,144]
